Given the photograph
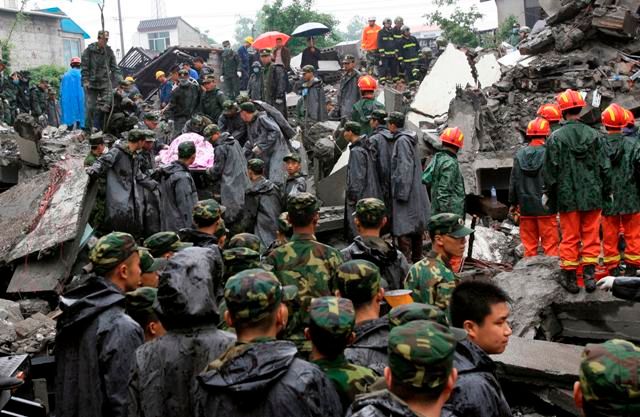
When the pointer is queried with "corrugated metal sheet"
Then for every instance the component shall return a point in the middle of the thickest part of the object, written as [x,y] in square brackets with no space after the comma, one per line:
[158,24]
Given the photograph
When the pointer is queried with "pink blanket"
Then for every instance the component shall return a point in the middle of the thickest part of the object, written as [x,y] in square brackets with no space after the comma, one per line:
[204,151]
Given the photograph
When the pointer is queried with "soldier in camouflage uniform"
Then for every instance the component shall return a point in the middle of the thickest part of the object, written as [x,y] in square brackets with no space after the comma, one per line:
[261,376]
[94,326]
[283,234]
[364,107]
[359,281]
[207,216]
[231,122]
[212,100]
[432,280]
[147,153]
[222,234]
[151,269]
[296,181]
[96,218]
[370,219]
[9,88]
[39,97]
[243,252]
[420,376]
[331,322]
[162,130]
[142,305]
[305,262]
[609,379]
[165,244]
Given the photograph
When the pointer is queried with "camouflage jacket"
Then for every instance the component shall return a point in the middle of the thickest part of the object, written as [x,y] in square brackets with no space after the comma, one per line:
[38,101]
[308,264]
[624,156]
[97,64]
[369,349]
[432,281]
[211,103]
[444,178]
[576,168]
[362,110]
[349,379]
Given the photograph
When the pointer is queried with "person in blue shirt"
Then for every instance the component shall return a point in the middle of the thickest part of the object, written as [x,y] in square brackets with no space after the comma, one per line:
[72,96]
[244,53]
[165,89]
[192,73]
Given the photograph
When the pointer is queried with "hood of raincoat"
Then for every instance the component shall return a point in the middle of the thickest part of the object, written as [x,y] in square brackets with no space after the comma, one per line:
[262,186]
[377,250]
[253,368]
[471,358]
[198,238]
[173,168]
[412,136]
[531,159]
[84,303]
[380,403]
[369,328]
[614,147]
[186,291]
[578,141]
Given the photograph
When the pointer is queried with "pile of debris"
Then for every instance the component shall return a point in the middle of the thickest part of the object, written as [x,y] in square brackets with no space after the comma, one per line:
[27,326]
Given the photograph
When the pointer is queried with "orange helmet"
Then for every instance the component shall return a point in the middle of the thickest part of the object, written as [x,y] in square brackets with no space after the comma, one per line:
[367,83]
[570,99]
[629,117]
[539,127]
[551,112]
[453,136]
[614,117]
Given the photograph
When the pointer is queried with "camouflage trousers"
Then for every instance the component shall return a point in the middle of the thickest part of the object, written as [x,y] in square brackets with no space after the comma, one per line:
[92,97]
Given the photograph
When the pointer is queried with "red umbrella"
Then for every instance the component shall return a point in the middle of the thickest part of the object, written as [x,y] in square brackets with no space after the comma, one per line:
[268,40]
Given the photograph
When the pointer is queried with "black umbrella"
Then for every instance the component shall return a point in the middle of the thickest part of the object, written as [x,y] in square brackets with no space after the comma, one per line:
[310,29]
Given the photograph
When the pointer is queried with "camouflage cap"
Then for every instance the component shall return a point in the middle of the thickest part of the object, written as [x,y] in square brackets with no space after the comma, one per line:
[353,127]
[252,295]
[395,117]
[421,354]
[229,105]
[370,210]
[186,150]
[348,58]
[333,314]
[609,377]
[148,135]
[248,107]
[242,98]
[183,72]
[210,130]
[96,139]
[151,116]
[266,52]
[142,300]
[309,68]
[379,115]
[209,78]
[448,224]
[163,242]
[135,135]
[221,231]
[303,203]
[293,156]
[148,263]
[243,255]
[290,293]
[246,240]
[207,210]
[111,250]
[283,223]
[358,280]
[104,33]
[255,164]
[406,313]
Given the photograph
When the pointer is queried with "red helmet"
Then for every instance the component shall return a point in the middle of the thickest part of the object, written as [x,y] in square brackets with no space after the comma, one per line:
[570,99]
[630,118]
[539,127]
[614,117]
[367,83]
[551,112]
[75,60]
[453,136]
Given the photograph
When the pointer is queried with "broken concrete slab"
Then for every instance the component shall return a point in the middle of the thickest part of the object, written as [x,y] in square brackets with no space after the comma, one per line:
[539,362]
[7,332]
[31,306]
[28,139]
[488,69]
[10,310]
[31,325]
[615,20]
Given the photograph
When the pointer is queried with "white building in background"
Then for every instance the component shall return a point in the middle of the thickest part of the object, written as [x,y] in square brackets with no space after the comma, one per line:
[159,34]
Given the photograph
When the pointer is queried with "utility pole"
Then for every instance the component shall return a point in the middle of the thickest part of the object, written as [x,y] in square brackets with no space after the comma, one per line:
[121,31]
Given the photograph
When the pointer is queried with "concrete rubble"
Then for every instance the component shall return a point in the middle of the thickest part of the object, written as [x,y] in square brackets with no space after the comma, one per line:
[24,334]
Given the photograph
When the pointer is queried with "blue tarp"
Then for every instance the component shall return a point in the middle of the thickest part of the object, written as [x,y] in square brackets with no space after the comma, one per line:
[72,98]
[66,25]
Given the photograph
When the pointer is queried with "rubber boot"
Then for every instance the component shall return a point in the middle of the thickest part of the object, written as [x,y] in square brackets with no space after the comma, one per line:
[631,271]
[588,275]
[568,281]
[614,272]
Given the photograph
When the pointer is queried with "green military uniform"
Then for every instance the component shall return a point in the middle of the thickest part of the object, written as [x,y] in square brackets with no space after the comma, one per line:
[444,178]
[305,262]
[284,227]
[163,242]
[609,378]
[39,98]
[337,317]
[111,250]
[361,112]
[212,102]
[431,279]
[243,253]
[8,100]
[575,168]
[230,69]
[358,280]
[97,216]
[624,154]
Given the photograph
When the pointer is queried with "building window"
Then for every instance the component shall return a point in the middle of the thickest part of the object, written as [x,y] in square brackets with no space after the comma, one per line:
[71,49]
[159,41]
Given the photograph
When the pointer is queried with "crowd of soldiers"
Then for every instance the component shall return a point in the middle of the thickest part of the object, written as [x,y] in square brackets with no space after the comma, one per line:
[220,300]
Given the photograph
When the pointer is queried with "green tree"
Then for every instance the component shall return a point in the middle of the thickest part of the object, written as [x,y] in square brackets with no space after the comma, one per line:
[354,28]
[285,19]
[53,73]
[505,28]
[457,27]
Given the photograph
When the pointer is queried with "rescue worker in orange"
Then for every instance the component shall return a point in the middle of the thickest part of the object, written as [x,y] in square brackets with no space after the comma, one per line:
[537,223]
[576,182]
[369,43]
[551,113]
[623,209]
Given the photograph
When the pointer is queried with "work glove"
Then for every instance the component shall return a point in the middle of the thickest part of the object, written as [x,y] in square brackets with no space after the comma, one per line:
[90,172]
[222,78]
[279,101]
[606,283]
[544,200]
[239,74]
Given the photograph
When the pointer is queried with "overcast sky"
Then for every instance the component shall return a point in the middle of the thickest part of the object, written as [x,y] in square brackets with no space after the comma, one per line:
[219,16]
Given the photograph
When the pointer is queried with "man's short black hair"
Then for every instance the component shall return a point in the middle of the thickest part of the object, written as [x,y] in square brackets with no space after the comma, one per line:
[198,59]
[301,219]
[258,170]
[472,300]
[408,392]
[326,342]
[572,112]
